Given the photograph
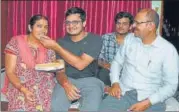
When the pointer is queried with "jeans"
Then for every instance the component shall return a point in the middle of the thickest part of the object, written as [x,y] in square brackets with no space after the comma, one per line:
[91,91]
[130,97]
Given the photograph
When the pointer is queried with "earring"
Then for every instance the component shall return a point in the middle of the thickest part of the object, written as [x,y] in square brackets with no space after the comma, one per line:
[29,27]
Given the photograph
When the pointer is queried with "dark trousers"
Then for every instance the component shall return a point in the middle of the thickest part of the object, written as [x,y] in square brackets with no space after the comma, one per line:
[103,75]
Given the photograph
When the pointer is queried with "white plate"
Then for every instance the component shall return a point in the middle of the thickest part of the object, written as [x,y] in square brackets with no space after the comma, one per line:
[49,67]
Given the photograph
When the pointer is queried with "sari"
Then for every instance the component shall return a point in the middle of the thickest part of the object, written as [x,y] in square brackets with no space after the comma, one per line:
[40,83]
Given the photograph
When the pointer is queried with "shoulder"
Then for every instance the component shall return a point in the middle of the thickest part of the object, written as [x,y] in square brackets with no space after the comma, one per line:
[130,38]
[13,44]
[63,39]
[17,39]
[108,36]
[163,43]
[94,37]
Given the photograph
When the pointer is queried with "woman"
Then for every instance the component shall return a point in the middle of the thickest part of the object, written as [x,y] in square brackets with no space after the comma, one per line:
[29,90]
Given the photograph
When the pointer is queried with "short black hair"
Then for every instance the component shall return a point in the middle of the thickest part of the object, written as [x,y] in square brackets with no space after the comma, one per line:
[35,18]
[124,15]
[76,10]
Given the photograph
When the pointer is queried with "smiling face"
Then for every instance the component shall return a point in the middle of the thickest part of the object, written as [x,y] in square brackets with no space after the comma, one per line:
[39,29]
[123,26]
[74,24]
[141,25]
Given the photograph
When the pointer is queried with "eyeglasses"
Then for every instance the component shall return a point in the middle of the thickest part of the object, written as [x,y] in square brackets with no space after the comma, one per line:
[138,23]
[67,23]
[123,24]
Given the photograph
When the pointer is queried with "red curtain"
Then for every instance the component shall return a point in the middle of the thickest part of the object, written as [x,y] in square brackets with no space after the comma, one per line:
[100,15]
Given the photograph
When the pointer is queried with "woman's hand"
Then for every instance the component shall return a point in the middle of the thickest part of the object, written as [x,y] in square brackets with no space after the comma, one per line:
[29,96]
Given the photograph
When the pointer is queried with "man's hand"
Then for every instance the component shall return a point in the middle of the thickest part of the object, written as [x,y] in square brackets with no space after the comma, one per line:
[104,64]
[48,43]
[72,92]
[107,66]
[115,90]
[140,106]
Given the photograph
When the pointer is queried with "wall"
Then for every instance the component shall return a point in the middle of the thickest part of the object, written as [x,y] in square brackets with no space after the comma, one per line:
[158,6]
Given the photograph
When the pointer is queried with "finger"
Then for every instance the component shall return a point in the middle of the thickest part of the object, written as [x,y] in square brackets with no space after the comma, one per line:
[28,100]
[45,37]
[76,92]
[118,95]
[132,108]
[112,93]
[32,96]
[69,97]
[109,93]
[75,95]
[76,89]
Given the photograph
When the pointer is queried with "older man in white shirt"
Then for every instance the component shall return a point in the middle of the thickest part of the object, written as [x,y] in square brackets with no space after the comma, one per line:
[150,69]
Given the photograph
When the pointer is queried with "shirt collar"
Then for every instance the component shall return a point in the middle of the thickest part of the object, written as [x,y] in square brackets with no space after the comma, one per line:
[157,41]
[128,34]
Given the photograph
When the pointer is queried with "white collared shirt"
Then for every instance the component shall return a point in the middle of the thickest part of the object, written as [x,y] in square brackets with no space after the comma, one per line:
[150,69]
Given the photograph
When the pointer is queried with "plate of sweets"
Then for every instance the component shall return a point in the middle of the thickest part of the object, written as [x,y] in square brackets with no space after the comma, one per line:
[51,67]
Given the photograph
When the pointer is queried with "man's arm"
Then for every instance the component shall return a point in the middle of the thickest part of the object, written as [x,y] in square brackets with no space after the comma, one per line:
[115,71]
[117,65]
[170,77]
[72,92]
[79,62]
[61,77]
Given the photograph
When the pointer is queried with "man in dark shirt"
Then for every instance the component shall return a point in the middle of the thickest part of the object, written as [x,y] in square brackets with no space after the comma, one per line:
[79,50]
